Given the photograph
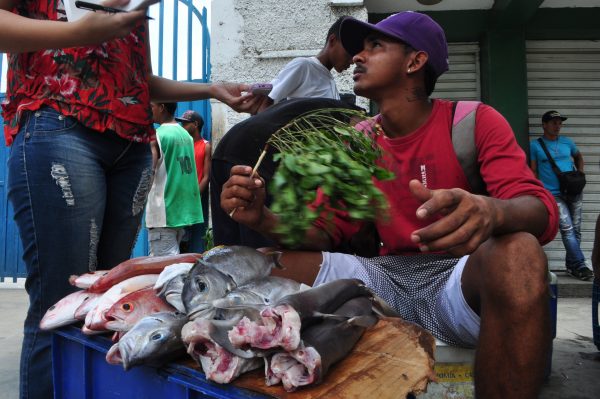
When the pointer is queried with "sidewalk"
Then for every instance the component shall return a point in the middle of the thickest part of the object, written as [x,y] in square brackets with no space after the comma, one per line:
[575,361]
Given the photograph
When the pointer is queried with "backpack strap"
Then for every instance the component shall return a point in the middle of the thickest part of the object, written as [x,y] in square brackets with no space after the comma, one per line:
[463,141]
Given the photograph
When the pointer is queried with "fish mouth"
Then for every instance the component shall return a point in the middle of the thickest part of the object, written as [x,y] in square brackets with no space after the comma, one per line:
[116,357]
[201,312]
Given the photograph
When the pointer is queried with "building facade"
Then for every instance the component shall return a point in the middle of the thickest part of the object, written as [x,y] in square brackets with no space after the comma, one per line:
[522,57]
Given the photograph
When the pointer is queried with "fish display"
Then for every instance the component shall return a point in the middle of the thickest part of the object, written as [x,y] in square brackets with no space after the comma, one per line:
[155,339]
[139,266]
[225,310]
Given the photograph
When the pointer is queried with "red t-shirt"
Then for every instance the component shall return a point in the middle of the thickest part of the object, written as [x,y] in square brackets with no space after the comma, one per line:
[105,87]
[199,152]
[427,155]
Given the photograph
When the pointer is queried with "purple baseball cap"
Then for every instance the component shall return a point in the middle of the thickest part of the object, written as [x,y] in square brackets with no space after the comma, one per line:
[415,29]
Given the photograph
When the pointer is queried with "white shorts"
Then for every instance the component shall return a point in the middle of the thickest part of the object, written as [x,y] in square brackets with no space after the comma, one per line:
[425,289]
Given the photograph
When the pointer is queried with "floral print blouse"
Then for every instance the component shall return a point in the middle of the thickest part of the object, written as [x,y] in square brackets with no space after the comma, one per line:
[105,87]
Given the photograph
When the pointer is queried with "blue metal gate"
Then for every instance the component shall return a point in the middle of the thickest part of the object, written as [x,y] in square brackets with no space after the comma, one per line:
[178,32]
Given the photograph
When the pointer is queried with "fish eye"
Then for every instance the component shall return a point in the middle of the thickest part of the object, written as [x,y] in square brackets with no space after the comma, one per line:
[156,336]
[201,285]
[127,307]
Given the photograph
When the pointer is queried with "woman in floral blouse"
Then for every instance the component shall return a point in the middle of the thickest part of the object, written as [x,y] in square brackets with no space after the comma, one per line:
[77,115]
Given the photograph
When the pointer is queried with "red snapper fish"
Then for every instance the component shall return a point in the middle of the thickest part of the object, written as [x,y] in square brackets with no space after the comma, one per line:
[96,318]
[138,266]
[85,280]
[63,312]
[127,311]
[87,306]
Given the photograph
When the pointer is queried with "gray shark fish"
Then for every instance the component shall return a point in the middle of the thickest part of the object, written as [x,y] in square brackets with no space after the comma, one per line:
[261,292]
[323,344]
[220,271]
[281,323]
[155,339]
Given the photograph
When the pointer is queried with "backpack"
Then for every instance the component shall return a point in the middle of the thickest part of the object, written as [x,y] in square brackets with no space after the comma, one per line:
[463,141]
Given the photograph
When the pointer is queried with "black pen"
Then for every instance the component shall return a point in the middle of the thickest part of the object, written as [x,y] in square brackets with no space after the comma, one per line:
[84,5]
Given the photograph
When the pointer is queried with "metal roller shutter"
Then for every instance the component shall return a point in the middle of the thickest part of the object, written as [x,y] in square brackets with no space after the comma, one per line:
[461,81]
[565,75]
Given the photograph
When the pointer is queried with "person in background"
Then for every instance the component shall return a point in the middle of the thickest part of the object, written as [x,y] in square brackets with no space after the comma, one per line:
[596,253]
[311,76]
[194,235]
[77,117]
[174,198]
[469,268]
[567,157]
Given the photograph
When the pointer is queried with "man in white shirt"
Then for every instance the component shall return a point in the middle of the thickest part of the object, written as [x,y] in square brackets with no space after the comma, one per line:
[311,76]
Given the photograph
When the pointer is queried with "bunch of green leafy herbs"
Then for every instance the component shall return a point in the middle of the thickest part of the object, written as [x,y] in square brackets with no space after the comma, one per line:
[323,150]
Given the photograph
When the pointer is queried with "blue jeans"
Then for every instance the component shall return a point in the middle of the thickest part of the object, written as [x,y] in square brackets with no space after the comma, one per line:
[194,234]
[569,208]
[78,197]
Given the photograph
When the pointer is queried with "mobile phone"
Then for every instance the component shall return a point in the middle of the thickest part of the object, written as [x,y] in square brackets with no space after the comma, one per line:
[261,88]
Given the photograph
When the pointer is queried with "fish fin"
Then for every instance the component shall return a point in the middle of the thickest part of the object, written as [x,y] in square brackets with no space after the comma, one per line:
[304,287]
[362,320]
[242,306]
[330,316]
[382,308]
[276,258]
[365,321]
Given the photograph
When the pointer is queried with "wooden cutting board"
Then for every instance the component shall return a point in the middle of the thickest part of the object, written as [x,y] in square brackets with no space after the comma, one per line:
[391,360]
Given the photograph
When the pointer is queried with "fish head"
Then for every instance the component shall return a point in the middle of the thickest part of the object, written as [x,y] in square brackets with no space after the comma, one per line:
[63,312]
[127,311]
[88,304]
[203,285]
[242,264]
[171,292]
[150,341]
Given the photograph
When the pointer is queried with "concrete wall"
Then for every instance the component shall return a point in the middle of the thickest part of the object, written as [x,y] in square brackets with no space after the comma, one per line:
[252,40]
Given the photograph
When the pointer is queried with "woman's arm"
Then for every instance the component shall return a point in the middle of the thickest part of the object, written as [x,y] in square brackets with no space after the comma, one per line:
[21,34]
[232,94]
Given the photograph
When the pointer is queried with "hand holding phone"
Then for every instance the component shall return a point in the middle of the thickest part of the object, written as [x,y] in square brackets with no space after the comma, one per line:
[261,88]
